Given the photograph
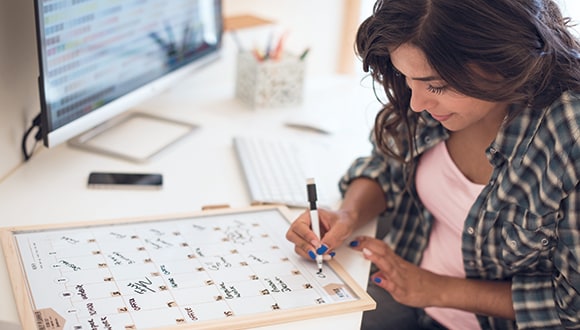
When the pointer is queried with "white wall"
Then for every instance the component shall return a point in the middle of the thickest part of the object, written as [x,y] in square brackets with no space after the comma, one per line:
[311,23]
[571,8]
[18,74]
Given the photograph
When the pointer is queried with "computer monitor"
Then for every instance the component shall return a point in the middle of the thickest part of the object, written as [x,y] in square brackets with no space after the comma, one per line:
[98,59]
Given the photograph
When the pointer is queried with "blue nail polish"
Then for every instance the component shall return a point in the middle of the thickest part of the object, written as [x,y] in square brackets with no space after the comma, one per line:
[322,249]
[377,280]
[312,255]
[353,244]
[332,254]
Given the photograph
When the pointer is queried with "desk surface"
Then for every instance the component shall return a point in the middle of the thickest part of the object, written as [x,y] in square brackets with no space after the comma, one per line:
[199,170]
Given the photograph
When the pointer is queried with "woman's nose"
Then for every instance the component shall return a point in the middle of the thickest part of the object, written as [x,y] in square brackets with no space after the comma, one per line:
[421,99]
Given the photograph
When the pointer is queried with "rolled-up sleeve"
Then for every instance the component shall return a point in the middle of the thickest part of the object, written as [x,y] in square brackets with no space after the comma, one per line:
[374,167]
[553,301]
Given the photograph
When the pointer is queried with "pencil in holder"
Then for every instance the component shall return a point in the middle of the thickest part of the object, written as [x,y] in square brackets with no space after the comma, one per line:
[269,83]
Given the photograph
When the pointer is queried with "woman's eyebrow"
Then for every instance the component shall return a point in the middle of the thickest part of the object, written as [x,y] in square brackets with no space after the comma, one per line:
[427,78]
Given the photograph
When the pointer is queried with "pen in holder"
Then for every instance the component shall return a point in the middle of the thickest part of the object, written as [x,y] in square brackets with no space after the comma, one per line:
[269,83]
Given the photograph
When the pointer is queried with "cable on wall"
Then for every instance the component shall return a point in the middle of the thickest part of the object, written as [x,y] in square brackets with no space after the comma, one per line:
[37,137]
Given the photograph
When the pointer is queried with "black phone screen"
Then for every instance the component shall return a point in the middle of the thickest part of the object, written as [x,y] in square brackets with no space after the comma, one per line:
[152,180]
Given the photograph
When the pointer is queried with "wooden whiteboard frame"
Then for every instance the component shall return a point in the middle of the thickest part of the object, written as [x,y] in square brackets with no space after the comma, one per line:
[25,300]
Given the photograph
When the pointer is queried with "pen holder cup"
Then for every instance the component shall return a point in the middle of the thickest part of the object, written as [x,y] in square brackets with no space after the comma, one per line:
[269,83]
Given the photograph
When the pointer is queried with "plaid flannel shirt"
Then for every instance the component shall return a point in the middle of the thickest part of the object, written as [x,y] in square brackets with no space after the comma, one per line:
[524,226]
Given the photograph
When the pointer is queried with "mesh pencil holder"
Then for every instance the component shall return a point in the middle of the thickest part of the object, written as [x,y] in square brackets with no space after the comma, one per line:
[269,83]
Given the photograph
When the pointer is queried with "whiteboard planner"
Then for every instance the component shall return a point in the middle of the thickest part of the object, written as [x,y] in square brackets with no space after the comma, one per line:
[208,270]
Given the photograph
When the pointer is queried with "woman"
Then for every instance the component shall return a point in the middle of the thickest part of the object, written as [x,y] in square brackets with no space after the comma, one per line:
[475,167]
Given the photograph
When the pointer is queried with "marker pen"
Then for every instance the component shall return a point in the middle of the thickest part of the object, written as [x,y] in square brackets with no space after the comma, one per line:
[311,190]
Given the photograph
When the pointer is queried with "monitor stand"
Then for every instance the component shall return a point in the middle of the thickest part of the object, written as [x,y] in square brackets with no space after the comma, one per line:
[133,136]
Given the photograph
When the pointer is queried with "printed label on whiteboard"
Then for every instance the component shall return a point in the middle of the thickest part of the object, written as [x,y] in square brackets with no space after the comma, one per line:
[48,319]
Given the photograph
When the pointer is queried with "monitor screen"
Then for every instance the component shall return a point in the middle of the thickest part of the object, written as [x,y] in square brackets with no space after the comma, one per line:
[98,58]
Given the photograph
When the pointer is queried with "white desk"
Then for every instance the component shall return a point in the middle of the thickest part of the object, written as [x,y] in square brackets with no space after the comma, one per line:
[200,170]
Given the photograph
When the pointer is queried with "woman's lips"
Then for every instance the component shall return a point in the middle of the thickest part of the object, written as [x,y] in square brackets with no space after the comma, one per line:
[441,117]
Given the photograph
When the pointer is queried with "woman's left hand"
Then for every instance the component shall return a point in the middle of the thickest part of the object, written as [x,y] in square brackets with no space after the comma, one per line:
[407,283]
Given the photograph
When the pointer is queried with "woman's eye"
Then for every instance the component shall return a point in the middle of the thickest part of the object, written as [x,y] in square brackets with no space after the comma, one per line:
[436,90]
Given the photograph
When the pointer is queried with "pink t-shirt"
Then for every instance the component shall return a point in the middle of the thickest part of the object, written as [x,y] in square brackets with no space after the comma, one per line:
[448,195]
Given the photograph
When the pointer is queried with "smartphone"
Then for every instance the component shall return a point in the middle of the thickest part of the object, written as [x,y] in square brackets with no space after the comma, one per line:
[125,180]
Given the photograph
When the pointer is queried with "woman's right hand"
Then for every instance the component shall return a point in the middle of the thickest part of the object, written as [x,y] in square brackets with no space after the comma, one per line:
[335,228]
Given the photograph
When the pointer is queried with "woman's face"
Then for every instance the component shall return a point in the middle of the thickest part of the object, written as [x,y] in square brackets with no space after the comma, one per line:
[430,93]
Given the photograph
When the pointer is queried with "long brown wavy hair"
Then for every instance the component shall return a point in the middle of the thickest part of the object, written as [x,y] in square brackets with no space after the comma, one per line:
[527,43]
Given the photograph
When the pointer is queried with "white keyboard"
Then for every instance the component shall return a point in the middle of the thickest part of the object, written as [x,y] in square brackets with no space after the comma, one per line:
[274,171]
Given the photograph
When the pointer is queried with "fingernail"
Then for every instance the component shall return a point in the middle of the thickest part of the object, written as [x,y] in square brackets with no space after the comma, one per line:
[377,280]
[353,244]
[329,256]
[322,249]
[312,255]
[367,252]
